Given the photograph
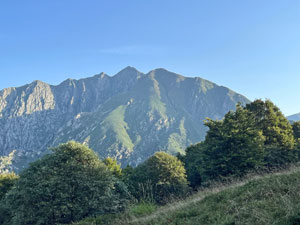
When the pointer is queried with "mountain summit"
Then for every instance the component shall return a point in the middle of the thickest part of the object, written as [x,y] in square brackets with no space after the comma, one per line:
[128,116]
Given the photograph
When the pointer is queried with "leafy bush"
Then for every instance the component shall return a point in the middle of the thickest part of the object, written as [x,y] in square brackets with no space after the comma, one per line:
[277,157]
[113,166]
[158,179]
[68,185]
[7,180]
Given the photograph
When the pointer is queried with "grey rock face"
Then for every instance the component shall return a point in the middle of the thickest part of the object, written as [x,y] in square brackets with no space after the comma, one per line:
[128,116]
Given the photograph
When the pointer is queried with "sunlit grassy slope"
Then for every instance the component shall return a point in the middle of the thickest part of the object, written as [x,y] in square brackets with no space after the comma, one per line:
[262,200]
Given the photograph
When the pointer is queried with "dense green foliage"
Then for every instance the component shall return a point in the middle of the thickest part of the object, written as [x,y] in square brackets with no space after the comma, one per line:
[160,177]
[113,166]
[162,168]
[66,186]
[73,184]
[296,131]
[193,160]
[232,146]
[280,143]
[276,129]
[254,136]
[7,180]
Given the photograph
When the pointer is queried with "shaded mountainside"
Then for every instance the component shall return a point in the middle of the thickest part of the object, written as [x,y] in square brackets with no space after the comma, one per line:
[295,117]
[128,116]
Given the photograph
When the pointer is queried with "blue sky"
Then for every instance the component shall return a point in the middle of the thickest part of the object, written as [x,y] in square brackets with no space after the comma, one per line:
[250,46]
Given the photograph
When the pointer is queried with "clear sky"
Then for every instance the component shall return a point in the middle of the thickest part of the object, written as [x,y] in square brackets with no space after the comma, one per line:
[250,46]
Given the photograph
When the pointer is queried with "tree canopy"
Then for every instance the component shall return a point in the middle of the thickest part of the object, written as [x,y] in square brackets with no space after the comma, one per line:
[232,146]
[276,129]
[253,136]
[158,178]
[7,180]
[296,131]
[163,168]
[65,186]
[113,166]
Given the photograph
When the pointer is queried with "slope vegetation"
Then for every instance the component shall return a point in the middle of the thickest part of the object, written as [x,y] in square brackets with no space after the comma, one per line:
[270,199]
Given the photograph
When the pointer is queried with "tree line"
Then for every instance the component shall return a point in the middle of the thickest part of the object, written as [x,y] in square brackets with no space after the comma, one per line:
[254,137]
[73,183]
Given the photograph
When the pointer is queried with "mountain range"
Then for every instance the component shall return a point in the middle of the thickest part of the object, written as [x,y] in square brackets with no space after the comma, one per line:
[295,117]
[128,116]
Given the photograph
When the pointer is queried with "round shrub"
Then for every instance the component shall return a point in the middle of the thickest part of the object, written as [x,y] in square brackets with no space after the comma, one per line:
[66,186]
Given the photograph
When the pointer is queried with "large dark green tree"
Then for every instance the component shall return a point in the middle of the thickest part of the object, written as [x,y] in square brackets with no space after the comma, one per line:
[232,146]
[296,131]
[193,163]
[254,135]
[276,129]
[68,185]
[278,132]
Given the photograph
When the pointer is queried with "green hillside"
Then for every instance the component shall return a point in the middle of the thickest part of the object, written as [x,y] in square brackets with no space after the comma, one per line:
[270,199]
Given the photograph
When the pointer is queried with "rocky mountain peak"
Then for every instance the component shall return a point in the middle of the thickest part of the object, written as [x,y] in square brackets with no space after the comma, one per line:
[128,73]
[128,116]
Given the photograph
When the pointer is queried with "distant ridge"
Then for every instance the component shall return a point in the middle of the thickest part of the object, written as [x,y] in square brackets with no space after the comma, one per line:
[295,117]
[128,116]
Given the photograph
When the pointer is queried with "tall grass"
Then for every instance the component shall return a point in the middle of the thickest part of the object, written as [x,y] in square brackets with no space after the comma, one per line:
[271,197]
